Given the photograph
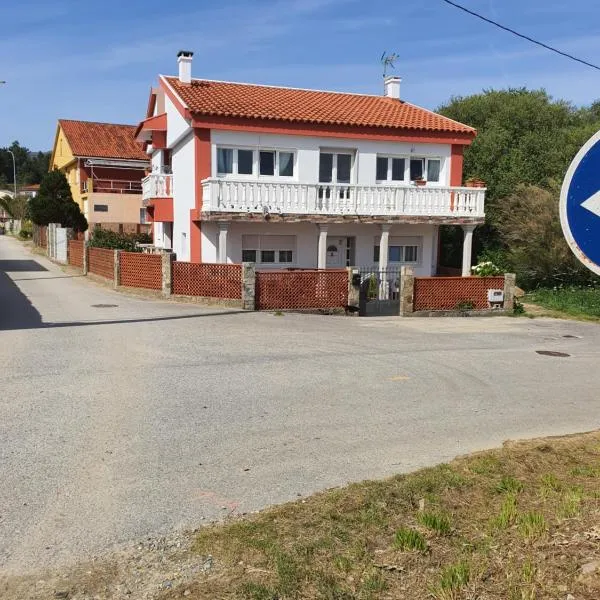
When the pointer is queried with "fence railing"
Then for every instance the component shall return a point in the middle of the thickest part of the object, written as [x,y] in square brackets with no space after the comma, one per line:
[101,261]
[221,195]
[207,280]
[111,186]
[140,270]
[454,293]
[76,248]
[157,185]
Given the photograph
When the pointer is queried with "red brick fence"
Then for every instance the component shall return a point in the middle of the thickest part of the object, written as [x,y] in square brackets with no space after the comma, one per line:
[307,289]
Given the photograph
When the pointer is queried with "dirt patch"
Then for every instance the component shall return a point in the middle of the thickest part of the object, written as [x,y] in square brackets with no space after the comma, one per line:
[518,523]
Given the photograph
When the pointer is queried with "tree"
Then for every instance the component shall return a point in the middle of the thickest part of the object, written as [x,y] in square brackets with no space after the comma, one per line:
[31,166]
[529,227]
[54,203]
[15,207]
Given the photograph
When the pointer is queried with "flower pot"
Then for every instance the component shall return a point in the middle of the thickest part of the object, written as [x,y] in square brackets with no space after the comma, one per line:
[420,182]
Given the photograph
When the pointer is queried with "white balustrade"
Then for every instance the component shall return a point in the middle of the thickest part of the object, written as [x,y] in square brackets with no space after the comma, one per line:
[235,196]
[157,185]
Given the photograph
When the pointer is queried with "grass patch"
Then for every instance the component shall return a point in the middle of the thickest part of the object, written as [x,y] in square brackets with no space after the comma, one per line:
[532,525]
[580,302]
[436,522]
[508,513]
[509,485]
[410,539]
[453,579]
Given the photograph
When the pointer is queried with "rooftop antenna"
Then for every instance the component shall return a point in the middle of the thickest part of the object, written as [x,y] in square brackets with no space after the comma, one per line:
[388,60]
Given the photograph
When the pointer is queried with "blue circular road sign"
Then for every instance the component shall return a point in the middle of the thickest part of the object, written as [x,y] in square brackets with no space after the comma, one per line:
[580,205]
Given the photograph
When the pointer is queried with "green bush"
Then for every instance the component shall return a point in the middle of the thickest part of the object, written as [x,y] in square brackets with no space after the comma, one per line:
[26,232]
[103,238]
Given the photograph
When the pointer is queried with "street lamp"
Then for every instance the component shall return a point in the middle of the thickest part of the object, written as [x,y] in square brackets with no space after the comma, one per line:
[14,172]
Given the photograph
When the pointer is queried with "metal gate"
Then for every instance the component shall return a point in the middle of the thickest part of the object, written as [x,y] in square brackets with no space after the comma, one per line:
[379,291]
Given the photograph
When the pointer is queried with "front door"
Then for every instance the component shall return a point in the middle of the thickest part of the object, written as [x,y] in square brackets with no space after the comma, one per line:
[336,252]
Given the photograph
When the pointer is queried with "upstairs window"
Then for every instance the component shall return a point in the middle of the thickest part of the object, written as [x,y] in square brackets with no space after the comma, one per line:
[335,167]
[390,168]
[393,168]
[245,161]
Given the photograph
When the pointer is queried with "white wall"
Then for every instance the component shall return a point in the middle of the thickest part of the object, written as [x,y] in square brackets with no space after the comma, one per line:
[308,150]
[183,162]
[177,126]
[307,235]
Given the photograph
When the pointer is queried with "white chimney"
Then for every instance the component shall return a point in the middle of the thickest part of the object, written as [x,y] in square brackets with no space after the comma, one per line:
[184,60]
[391,86]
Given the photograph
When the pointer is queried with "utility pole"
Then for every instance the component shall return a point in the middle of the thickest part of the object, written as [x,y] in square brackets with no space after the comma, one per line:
[14,172]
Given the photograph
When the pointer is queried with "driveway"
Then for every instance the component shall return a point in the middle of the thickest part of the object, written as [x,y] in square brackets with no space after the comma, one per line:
[119,422]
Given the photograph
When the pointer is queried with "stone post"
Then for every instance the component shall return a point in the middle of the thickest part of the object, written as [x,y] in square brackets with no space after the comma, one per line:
[510,281]
[353,289]
[407,290]
[117,268]
[167,273]
[249,286]
[85,257]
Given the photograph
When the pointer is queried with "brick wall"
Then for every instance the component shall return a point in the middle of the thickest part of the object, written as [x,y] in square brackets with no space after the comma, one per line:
[446,293]
[301,289]
[207,280]
[101,262]
[141,270]
[76,253]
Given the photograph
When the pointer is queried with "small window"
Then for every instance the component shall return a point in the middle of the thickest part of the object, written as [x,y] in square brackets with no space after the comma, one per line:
[382,168]
[286,164]
[267,256]
[143,216]
[245,162]
[100,207]
[397,169]
[376,254]
[224,161]
[267,163]
[285,256]
[433,170]
[411,254]
[248,255]
[416,168]
[326,167]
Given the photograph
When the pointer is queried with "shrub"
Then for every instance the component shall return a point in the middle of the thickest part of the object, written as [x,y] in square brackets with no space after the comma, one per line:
[486,269]
[103,238]
[26,232]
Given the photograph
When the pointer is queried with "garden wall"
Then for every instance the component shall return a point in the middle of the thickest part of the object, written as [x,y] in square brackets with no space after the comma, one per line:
[453,293]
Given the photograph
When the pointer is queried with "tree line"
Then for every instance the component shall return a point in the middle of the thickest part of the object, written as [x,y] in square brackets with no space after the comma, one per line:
[31,166]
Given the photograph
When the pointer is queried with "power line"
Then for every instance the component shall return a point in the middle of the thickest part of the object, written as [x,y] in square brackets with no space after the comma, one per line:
[525,37]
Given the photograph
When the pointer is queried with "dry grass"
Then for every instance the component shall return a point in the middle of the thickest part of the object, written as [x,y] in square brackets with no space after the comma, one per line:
[515,523]
[511,524]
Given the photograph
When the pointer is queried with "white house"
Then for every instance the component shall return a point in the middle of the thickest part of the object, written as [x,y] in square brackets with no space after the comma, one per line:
[289,177]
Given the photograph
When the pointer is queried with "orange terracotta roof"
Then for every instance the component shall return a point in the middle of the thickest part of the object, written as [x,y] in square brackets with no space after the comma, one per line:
[32,187]
[102,140]
[224,99]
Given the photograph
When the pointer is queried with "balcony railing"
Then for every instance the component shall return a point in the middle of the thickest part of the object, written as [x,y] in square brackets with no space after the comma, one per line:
[337,199]
[157,185]
[111,186]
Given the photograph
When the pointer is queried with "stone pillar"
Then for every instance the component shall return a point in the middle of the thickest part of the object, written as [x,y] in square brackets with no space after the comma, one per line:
[117,268]
[353,286]
[223,228]
[407,290]
[322,251]
[467,249]
[167,273]
[85,257]
[384,287]
[510,281]
[249,286]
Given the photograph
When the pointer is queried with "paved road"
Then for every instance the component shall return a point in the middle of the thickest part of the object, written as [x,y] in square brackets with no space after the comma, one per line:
[127,421]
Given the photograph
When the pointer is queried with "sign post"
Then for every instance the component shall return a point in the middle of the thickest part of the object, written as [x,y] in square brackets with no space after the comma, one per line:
[580,205]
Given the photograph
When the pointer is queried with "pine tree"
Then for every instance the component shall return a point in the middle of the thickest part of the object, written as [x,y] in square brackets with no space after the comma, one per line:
[54,203]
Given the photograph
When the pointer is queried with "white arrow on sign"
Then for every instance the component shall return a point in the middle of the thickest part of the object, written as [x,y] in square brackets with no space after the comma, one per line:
[593,204]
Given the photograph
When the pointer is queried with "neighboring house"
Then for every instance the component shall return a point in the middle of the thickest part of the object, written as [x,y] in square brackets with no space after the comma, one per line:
[104,166]
[288,177]
[31,190]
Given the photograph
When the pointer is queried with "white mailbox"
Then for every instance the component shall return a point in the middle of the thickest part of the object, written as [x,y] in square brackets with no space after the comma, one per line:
[495,296]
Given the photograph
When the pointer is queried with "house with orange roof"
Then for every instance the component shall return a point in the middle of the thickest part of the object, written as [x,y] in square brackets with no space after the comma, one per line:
[104,166]
[296,178]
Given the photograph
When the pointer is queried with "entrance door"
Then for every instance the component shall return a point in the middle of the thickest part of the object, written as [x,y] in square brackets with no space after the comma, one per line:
[379,291]
[336,252]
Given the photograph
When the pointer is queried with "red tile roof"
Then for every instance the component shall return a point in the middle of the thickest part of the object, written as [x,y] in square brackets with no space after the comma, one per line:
[102,140]
[220,98]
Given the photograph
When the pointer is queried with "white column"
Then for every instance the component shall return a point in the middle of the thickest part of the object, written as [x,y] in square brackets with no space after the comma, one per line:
[322,252]
[223,228]
[383,261]
[467,249]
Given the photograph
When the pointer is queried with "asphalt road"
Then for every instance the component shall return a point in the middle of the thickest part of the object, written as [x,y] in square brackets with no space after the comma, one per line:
[127,421]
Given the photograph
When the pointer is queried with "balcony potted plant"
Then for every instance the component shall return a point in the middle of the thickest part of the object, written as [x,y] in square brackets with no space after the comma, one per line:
[475,182]
[420,182]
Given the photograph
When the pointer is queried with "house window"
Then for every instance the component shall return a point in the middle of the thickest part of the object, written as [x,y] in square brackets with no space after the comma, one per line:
[335,167]
[416,168]
[433,170]
[273,250]
[143,216]
[390,168]
[100,207]
[404,250]
[241,161]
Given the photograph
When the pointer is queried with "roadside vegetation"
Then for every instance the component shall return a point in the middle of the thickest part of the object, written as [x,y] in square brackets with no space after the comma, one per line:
[517,523]
[576,302]
[104,238]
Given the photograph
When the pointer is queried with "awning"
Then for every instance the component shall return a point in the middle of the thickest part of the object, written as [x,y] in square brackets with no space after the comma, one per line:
[122,164]
[144,130]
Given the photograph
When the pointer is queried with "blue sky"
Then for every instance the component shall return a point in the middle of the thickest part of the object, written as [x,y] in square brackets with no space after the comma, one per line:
[97,60]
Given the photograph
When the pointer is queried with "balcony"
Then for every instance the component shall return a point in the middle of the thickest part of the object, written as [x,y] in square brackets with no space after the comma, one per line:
[223,196]
[111,186]
[157,185]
